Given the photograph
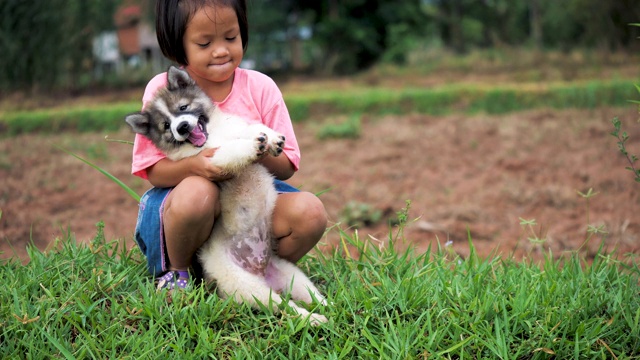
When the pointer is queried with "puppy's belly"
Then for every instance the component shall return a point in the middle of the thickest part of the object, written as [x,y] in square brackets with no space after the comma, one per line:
[251,251]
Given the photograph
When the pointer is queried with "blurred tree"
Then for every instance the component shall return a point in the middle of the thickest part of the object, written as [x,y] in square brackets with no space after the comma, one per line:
[447,14]
[269,29]
[354,34]
[604,24]
[543,23]
[348,35]
[535,23]
[47,43]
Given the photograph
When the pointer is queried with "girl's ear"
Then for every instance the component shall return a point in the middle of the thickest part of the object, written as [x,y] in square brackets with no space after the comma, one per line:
[178,78]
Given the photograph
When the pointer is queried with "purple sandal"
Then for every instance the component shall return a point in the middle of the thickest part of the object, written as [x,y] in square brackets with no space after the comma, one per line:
[173,279]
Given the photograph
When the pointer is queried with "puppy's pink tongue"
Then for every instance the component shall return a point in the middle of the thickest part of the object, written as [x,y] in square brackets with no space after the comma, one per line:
[197,137]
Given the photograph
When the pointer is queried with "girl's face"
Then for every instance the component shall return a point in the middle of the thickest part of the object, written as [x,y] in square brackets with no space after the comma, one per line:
[213,45]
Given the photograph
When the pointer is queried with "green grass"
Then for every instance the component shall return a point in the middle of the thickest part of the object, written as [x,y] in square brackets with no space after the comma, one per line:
[457,98]
[94,118]
[347,129]
[96,301]
[468,99]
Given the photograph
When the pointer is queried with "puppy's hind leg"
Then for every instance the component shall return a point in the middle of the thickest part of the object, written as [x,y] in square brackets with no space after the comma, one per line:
[253,289]
[287,277]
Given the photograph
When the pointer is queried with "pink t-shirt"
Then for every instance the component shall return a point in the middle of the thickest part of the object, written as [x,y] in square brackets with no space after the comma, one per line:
[254,97]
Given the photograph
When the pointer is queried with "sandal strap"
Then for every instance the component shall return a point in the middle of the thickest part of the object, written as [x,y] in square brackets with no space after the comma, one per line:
[172,279]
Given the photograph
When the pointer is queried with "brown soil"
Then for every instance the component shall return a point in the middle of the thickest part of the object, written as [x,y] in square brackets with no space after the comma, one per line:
[476,176]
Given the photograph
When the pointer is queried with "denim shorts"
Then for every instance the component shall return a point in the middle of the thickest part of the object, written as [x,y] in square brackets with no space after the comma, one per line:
[149,234]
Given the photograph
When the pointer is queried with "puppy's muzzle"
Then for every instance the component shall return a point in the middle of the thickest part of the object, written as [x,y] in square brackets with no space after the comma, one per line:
[184,128]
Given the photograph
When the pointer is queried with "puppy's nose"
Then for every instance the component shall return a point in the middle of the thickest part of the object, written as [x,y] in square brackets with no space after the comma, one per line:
[183,128]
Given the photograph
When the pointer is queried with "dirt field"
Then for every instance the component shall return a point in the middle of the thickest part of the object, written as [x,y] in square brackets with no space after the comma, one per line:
[475,174]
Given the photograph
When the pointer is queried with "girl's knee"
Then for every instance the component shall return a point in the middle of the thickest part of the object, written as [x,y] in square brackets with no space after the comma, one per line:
[314,211]
[299,222]
[302,210]
[194,198]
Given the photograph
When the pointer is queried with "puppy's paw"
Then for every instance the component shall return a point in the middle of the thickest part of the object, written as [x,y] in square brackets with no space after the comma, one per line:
[276,144]
[261,144]
[317,319]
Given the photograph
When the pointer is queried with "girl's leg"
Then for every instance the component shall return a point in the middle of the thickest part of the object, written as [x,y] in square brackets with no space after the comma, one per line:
[189,213]
[299,221]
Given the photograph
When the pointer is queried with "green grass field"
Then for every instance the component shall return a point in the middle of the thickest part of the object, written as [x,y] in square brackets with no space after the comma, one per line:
[96,301]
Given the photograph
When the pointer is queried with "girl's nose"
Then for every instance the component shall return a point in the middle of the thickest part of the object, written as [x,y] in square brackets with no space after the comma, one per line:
[219,51]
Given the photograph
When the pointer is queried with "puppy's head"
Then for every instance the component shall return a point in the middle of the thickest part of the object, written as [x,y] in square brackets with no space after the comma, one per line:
[176,116]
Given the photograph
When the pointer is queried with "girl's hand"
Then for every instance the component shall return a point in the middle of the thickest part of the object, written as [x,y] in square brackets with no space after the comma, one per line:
[205,168]
[169,173]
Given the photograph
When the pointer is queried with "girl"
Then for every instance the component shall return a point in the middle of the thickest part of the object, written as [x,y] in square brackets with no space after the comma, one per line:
[208,38]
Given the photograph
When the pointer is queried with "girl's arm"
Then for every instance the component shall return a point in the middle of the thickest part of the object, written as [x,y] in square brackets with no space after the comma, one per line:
[168,173]
[281,167]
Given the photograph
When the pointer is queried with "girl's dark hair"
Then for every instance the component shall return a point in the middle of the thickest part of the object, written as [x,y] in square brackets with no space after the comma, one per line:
[172,17]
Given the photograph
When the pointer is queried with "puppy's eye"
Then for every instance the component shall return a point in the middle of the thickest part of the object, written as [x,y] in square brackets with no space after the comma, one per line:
[184,107]
[167,125]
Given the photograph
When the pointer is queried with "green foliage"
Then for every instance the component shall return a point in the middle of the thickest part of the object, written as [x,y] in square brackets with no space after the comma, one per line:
[48,43]
[353,35]
[534,237]
[622,139]
[464,24]
[580,96]
[96,301]
[456,98]
[357,214]
[349,129]
[95,118]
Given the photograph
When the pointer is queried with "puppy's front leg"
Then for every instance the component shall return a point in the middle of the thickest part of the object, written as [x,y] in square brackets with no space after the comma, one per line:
[275,140]
[234,155]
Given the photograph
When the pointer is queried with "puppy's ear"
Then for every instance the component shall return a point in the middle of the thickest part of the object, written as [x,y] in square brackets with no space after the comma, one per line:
[178,78]
[139,122]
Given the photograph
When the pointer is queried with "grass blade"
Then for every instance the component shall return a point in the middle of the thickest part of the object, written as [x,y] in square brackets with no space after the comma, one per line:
[58,346]
[130,191]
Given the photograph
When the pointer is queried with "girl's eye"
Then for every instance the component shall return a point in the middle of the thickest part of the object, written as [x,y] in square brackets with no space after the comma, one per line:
[184,107]
[231,38]
[204,45]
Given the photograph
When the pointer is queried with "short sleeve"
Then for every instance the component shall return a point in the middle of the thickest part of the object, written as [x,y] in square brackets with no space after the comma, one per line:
[145,154]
